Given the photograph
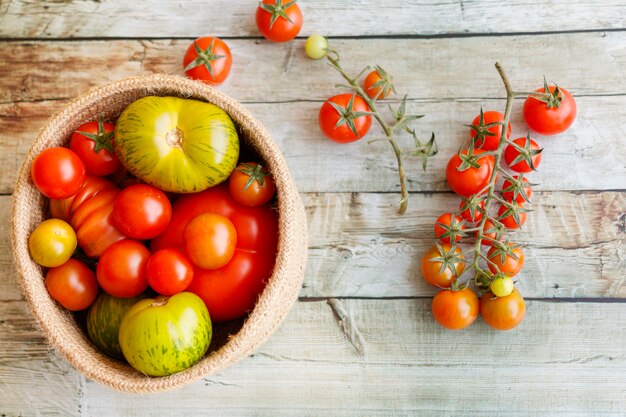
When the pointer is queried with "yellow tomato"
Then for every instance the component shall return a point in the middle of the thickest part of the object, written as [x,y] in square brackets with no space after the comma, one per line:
[52,243]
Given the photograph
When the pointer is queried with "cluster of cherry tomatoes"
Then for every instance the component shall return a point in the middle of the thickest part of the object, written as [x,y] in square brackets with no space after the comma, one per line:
[472,173]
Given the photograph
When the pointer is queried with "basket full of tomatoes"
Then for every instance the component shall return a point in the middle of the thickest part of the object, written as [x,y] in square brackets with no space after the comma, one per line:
[157,233]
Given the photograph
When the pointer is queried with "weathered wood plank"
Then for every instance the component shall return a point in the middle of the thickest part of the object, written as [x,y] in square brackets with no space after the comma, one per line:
[426,68]
[555,363]
[53,19]
[575,245]
[591,155]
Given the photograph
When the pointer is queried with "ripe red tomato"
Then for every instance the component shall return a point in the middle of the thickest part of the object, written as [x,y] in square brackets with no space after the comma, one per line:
[251,185]
[208,59]
[503,313]
[550,118]
[279,20]
[472,209]
[169,271]
[517,190]
[93,143]
[471,180]
[491,233]
[506,216]
[455,310]
[488,138]
[58,172]
[72,284]
[506,263]
[525,158]
[210,240]
[121,270]
[378,84]
[449,228]
[441,267]
[142,211]
[342,118]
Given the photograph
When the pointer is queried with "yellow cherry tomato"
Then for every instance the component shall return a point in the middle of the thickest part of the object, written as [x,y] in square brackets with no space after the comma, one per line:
[52,243]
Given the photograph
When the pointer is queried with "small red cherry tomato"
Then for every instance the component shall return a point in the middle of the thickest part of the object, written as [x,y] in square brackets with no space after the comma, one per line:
[142,211]
[485,136]
[93,143]
[169,271]
[279,20]
[58,172]
[524,156]
[210,240]
[512,218]
[121,269]
[208,59]
[449,228]
[552,117]
[72,284]
[251,185]
[342,118]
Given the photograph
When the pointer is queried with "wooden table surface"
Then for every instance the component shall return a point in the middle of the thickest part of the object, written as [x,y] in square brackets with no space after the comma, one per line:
[361,340]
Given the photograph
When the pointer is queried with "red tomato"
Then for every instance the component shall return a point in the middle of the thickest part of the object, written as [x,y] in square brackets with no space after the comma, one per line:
[210,240]
[455,310]
[279,20]
[517,190]
[93,143]
[441,267]
[472,209]
[169,271]
[503,313]
[58,172]
[488,138]
[251,185]
[471,180]
[550,118]
[491,233]
[342,118]
[525,157]
[208,59]
[142,211]
[449,228]
[121,270]
[506,264]
[378,84]
[72,284]
[506,216]
[64,209]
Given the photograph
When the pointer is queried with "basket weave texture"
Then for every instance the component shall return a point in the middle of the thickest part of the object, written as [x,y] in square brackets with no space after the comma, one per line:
[60,327]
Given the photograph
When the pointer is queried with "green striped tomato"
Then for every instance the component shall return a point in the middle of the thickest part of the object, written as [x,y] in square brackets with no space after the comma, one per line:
[165,335]
[178,145]
[104,319]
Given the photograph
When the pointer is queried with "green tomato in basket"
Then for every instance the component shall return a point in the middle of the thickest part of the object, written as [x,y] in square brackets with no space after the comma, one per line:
[165,335]
[178,145]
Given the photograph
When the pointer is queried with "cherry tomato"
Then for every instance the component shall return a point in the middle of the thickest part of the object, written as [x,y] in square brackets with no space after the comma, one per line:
[342,120]
[503,313]
[251,185]
[58,172]
[169,271]
[93,143]
[471,180]
[208,59]
[378,84]
[504,262]
[72,284]
[455,310]
[52,243]
[449,228]
[518,190]
[472,209]
[550,118]
[491,233]
[142,211]
[441,267]
[316,47]
[210,240]
[121,270]
[502,286]
[506,216]
[488,138]
[518,158]
[279,20]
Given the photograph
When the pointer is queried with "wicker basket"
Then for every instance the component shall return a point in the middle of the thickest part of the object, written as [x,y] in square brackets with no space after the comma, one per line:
[60,326]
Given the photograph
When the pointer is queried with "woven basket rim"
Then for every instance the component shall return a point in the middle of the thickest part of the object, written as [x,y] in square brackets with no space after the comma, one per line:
[273,304]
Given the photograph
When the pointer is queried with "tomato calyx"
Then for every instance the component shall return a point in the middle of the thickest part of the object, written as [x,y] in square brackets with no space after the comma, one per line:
[451,228]
[525,153]
[469,159]
[277,10]
[472,208]
[516,188]
[383,86]
[205,57]
[482,130]
[552,98]
[503,250]
[347,115]
[102,139]
[255,172]
[515,211]
[449,259]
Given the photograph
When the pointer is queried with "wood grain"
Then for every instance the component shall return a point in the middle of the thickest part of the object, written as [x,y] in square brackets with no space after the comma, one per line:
[109,18]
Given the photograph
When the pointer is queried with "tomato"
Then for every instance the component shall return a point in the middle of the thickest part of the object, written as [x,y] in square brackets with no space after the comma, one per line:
[121,270]
[449,228]
[471,209]
[512,218]
[455,310]
[442,264]
[64,209]
[465,179]
[507,263]
[178,145]
[103,322]
[58,172]
[210,240]
[169,271]
[524,156]
[251,185]
[378,84]
[552,117]
[486,130]
[491,233]
[343,118]
[52,243]
[316,47]
[72,284]
[516,188]
[142,211]
[165,335]
[503,313]
[93,143]
[279,20]
[502,286]
[209,60]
